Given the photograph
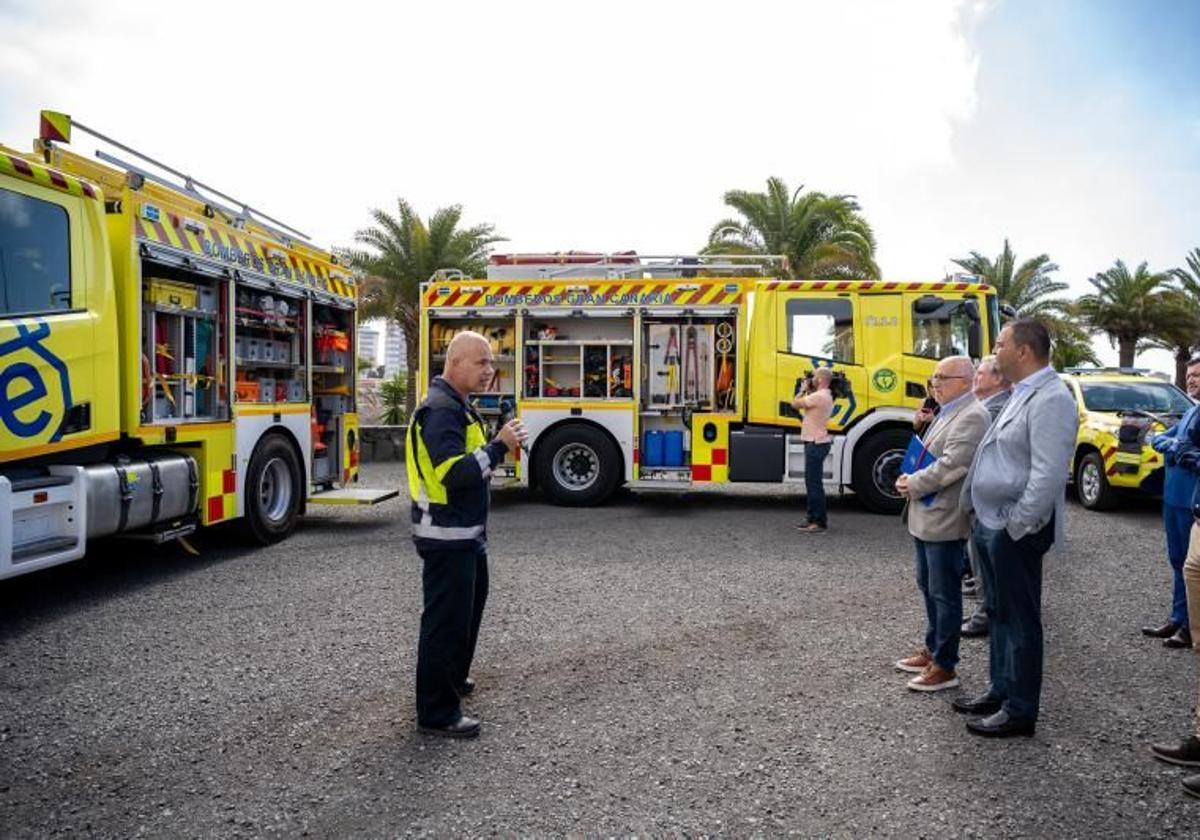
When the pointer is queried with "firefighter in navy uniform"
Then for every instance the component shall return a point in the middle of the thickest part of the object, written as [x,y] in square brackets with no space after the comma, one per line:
[450,463]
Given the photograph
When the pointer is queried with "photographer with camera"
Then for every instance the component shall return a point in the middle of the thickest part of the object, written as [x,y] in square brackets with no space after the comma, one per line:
[815,402]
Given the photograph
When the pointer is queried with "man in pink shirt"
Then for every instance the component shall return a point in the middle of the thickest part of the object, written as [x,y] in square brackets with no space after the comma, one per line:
[816,403]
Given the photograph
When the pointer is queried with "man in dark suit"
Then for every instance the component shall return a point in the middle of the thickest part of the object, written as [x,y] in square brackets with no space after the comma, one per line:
[1016,489]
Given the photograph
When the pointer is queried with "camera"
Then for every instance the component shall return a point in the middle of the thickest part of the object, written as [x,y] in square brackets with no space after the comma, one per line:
[839,385]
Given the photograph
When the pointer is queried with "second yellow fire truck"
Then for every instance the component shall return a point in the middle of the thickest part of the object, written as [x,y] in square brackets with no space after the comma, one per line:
[679,372]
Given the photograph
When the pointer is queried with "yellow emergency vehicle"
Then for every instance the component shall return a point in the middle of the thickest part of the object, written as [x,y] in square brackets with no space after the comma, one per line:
[1118,409]
[678,372]
[169,358]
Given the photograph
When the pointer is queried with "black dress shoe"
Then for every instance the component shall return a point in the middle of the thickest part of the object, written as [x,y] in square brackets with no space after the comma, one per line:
[973,629]
[1000,725]
[982,705]
[467,688]
[464,727]
[1181,639]
[1191,785]
[1186,753]
[1164,631]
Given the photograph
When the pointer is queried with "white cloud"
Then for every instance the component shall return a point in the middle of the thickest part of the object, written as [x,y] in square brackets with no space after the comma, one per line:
[605,126]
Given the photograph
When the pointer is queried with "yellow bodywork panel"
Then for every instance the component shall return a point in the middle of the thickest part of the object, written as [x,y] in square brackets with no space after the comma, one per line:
[1099,430]
[58,366]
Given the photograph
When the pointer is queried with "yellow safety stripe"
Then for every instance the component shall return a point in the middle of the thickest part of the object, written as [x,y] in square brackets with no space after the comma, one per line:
[871,286]
[18,167]
[674,292]
[206,238]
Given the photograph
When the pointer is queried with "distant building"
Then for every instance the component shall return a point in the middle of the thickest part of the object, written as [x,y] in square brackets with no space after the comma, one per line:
[368,346]
[395,353]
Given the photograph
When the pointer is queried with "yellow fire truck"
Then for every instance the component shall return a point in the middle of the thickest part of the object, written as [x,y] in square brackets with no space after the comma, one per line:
[169,358]
[676,372]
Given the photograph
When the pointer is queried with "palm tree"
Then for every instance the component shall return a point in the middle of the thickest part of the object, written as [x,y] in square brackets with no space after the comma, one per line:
[822,236]
[1071,344]
[403,252]
[1130,308]
[1027,287]
[1181,336]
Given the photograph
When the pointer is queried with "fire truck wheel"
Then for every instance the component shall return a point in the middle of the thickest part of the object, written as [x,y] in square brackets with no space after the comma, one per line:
[273,487]
[577,465]
[1091,483]
[877,466]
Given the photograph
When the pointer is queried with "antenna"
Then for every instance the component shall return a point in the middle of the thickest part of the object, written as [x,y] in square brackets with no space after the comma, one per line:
[190,186]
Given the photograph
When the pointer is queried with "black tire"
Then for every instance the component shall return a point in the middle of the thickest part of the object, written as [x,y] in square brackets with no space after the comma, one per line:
[274,484]
[876,467]
[1091,484]
[577,465]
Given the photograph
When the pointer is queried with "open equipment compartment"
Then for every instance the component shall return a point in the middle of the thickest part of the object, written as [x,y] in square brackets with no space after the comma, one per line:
[497,403]
[688,368]
[269,348]
[580,357]
[333,377]
[184,366]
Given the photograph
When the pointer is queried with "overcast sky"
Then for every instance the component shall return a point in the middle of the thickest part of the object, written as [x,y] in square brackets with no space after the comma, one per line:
[1072,127]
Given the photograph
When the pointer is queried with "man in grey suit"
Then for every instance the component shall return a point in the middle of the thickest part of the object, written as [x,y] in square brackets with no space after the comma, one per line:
[1016,489]
[993,390]
[937,524]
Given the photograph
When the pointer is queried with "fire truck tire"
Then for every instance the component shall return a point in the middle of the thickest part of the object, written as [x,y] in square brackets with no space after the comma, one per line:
[876,467]
[1091,484]
[273,491]
[577,465]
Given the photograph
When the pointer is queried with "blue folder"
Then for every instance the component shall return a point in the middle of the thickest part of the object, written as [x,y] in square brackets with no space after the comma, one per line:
[917,458]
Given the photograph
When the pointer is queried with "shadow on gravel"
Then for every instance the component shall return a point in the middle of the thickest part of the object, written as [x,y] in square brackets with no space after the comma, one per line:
[677,503]
[111,569]
[115,568]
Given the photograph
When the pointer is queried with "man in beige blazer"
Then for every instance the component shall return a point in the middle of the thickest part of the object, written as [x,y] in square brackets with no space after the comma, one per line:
[938,525]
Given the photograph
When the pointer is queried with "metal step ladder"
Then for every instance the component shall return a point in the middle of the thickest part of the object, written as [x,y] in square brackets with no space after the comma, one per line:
[43,520]
[352,496]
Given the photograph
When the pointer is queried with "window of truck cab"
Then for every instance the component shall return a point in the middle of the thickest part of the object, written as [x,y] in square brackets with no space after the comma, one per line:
[821,328]
[941,327]
[35,255]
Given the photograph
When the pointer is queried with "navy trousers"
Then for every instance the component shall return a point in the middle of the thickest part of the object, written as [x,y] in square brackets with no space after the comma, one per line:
[1178,523]
[814,484]
[939,577]
[1012,586]
[455,584]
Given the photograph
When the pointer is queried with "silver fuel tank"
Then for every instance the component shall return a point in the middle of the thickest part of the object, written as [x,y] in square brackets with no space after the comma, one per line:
[129,495]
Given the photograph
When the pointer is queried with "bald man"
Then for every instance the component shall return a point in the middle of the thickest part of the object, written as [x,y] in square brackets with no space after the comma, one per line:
[937,524]
[450,463]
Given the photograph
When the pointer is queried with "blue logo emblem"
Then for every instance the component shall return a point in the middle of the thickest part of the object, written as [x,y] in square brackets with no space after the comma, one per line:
[23,387]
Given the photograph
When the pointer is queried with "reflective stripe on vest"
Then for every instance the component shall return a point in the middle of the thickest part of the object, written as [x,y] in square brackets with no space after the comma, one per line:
[425,482]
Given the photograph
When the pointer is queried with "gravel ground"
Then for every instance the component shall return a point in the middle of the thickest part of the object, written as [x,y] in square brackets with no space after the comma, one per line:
[664,664]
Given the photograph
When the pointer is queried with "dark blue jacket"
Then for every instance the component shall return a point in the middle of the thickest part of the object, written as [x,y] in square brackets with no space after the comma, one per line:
[1186,454]
[1180,484]
[450,463]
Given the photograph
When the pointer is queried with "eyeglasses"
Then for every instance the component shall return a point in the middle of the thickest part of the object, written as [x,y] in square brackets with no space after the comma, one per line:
[939,377]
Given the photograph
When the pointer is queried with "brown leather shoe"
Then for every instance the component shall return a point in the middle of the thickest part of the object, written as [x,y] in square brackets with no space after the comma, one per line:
[935,678]
[915,664]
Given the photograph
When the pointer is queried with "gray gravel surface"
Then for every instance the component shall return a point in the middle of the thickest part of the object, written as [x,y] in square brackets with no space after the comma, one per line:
[663,664]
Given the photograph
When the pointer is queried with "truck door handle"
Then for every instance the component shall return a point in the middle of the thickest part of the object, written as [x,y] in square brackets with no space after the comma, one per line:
[77,419]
